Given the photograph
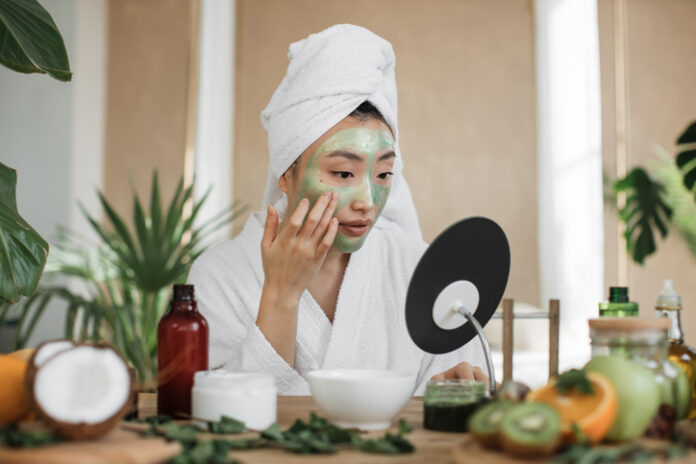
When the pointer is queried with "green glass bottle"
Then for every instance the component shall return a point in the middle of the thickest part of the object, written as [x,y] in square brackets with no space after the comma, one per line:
[618,304]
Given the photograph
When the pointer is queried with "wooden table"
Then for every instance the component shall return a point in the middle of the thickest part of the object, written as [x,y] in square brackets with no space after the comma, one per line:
[124,446]
[431,447]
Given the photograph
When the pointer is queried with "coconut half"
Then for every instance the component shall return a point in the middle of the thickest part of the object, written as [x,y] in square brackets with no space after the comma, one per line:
[82,392]
[43,352]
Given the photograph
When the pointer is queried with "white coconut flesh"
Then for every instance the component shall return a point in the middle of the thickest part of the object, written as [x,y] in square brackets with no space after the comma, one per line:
[48,349]
[82,385]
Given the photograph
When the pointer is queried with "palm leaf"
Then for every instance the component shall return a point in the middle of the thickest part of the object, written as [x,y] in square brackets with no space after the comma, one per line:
[645,209]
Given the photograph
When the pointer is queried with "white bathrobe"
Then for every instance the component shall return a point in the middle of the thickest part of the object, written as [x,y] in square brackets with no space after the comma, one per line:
[369,329]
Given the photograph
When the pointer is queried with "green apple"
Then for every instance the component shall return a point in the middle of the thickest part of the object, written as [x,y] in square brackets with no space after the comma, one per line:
[683,391]
[638,395]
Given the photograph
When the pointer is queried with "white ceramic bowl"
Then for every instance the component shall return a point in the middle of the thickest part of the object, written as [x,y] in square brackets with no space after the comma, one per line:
[366,399]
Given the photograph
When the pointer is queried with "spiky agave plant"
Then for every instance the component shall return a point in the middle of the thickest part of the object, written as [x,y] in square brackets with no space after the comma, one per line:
[126,278]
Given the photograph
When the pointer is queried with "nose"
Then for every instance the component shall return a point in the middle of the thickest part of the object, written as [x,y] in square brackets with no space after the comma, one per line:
[362,200]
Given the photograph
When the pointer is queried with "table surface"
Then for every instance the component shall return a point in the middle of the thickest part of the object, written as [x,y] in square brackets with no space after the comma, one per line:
[431,447]
[124,446]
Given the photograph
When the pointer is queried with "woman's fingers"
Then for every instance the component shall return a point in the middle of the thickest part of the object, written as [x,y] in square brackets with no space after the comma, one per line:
[328,239]
[323,225]
[296,219]
[270,228]
[315,216]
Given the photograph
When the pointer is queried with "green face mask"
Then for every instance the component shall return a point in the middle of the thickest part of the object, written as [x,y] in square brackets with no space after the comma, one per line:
[368,142]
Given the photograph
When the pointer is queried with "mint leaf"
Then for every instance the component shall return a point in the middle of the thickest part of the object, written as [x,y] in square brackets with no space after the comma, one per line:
[574,379]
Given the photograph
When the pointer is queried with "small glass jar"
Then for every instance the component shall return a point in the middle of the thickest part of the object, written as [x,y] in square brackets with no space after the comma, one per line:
[250,397]
[643,341]
[449,403]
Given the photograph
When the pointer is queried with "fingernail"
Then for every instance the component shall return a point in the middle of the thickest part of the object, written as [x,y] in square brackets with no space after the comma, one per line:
[334,195]
[326,194]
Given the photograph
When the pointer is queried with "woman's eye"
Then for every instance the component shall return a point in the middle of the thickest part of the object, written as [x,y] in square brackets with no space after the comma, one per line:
[342,174]
[384,175]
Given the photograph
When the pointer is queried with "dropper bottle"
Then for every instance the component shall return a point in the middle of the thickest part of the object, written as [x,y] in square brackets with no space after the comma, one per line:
[669,305]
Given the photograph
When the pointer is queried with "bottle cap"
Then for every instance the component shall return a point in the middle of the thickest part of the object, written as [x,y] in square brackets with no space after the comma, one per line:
[618,294]
[183,292]
[668,299]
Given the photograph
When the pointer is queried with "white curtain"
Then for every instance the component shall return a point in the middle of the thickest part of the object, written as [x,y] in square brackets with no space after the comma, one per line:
[214,126]
[569,167]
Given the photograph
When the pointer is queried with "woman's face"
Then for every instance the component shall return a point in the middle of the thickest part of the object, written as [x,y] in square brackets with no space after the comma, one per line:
[354,158]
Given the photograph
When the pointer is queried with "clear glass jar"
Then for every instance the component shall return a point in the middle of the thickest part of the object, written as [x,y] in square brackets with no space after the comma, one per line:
[449,403]
[643,341]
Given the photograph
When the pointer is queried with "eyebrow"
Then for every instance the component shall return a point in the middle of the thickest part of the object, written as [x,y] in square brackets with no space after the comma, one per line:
[353,157]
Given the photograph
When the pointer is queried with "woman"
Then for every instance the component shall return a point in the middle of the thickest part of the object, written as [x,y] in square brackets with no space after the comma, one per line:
[320,279]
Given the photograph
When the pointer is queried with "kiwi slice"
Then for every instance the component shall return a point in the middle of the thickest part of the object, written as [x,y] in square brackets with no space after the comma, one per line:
[530,429]
[485,422]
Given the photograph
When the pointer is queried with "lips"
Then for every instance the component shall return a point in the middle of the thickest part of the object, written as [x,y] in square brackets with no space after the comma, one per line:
[356,228]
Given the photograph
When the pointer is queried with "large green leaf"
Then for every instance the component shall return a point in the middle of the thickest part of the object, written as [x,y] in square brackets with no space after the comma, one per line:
[645,208]
[686,156]
[30,41]
[22,251]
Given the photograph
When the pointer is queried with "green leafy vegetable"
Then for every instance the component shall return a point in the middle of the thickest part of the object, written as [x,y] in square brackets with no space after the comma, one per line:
[586,454]
[226,425]
[316,436]
[12,437]
[574,379]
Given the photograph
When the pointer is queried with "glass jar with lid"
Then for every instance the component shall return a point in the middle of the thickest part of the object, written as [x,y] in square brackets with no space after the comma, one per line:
[643,341]
[449,403]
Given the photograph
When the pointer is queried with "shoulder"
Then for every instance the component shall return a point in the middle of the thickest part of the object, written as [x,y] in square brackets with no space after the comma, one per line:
[400,246]
[231,256]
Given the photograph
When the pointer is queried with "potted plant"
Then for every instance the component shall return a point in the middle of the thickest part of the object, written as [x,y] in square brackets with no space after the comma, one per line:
[124,280]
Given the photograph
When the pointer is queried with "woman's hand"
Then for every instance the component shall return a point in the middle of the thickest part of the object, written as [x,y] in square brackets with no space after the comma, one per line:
[462,370]
[293,252]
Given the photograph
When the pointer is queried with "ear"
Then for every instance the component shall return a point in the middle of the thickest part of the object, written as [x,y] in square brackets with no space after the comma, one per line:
[283,183]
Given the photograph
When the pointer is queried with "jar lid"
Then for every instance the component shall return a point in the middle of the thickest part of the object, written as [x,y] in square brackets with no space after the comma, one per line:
[629,323]
[219,378]
[456,387]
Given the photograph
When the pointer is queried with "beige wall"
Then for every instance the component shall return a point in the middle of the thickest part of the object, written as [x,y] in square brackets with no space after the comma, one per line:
[146,111]
[661,102]
[467,112]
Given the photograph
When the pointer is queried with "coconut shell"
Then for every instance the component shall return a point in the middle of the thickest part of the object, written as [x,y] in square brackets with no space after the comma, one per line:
[82,430]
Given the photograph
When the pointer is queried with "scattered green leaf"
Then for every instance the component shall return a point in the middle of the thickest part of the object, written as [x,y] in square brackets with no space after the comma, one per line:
[226,425]
[12,437]
[574,379]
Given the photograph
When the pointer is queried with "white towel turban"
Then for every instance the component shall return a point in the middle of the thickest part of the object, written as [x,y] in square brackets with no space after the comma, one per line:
[330,74]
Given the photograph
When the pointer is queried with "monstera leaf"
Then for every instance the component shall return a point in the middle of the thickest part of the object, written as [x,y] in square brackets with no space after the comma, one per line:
[645,208]
[22,251]
[30,41]
[686,156]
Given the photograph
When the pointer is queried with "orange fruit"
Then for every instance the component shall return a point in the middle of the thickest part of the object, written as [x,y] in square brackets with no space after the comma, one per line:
[593,413]
[14,402]
[24,355]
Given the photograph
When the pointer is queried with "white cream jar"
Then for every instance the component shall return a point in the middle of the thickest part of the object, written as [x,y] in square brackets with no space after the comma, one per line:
[249,397]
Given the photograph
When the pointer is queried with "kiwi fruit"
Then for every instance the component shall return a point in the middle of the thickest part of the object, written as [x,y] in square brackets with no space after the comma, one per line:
[530,429]
[485,422]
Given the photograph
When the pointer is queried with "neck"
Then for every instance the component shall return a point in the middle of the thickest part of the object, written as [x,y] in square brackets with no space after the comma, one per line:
[675,334]
[335,261]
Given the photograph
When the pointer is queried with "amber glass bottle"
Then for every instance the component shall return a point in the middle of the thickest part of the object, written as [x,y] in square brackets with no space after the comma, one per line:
[669,305]
[182,350]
